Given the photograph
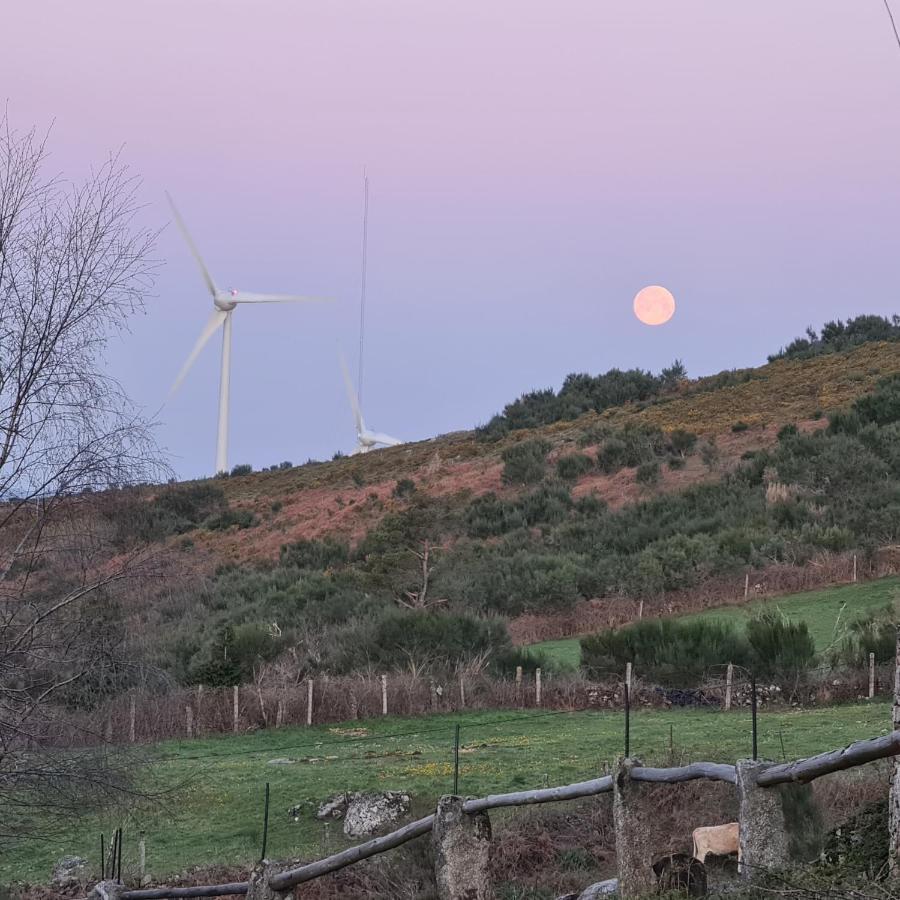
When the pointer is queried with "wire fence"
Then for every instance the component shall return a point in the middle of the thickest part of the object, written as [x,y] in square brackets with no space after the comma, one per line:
[267,793]
[150,717]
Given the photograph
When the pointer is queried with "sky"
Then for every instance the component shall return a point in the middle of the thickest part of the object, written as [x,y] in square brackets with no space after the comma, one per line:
[532,165]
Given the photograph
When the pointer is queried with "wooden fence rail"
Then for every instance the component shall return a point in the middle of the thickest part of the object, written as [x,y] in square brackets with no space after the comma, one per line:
[803,770]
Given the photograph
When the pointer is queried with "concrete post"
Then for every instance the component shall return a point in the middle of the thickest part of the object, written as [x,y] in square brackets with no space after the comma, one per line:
[764,838]
[633,822]
[462,852]
[258,888]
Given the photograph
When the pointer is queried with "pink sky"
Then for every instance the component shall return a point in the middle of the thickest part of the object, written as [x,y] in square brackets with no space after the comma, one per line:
[532,166]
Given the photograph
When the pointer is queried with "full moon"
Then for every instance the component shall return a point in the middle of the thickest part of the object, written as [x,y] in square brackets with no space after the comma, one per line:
[654,305]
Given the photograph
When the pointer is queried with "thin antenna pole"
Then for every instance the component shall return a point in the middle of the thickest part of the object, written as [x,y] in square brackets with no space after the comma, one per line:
[887,6]
[362,288]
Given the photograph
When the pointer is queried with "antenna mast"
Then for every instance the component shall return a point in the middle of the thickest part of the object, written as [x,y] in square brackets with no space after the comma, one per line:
[362,288]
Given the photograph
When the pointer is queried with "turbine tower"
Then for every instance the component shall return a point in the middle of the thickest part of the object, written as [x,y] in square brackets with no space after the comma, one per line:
[224,305]
[365,440]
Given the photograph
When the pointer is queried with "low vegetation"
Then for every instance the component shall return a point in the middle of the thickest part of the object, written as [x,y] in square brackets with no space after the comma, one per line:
[214,812]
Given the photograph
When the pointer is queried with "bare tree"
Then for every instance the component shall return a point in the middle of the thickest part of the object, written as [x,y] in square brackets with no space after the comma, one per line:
[74,267]
[419,599]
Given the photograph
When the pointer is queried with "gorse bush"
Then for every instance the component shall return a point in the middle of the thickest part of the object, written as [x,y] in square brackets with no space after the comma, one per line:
[573,465]
[666,651]
[837,336]
[579,394]
[525,463]
[679,653]
[875,633]
[781,648]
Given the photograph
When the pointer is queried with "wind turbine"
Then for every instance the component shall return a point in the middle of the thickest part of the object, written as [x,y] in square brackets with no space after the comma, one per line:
[224,304]
[365,440]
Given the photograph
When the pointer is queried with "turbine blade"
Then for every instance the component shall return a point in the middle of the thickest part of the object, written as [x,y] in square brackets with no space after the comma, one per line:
[192,246]
[385,439]
[209,329]
[351,394]
[246,297]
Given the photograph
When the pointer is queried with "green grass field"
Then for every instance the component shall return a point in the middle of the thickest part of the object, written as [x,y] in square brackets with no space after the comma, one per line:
[213,813]
[826,612]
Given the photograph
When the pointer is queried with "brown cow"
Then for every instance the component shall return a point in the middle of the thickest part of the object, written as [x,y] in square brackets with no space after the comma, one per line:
[718,839]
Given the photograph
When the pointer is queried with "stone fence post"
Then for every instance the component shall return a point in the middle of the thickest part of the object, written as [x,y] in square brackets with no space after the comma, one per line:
[769,835]
[633,819]
[462,852]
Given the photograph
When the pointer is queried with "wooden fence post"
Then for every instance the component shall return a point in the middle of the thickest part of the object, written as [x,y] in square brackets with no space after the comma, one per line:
[628,675]
[746,585]
[729,680]
[854,568]
[871,675]
[384,707]
[131,718]
[236,709]
[199,718]
[519,685]
[309,701]
[279,713]
[641,609]
[537,687]
[142,857]
[462,692]
[189,720]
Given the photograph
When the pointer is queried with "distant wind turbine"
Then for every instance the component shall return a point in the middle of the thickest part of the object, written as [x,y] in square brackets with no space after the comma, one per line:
[365,440]
[224,304]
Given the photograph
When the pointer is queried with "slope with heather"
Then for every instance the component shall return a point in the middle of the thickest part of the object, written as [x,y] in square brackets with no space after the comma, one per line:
[432,553]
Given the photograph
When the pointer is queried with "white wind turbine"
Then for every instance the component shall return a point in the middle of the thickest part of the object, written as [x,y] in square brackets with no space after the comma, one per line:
[224,304]
[365,440]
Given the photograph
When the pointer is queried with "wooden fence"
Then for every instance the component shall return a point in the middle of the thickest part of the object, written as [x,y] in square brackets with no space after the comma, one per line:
[749,777]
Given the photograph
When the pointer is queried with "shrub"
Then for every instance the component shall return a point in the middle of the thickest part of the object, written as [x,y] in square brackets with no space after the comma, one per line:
[676,462]
[572,466]
[709,453]
[277,506]
[405,487]
[875,633]
[787,431]
[309,554]
[647,473]
[780,647]
[525,462]
[242,469]
[229,518]
[667,651]
[739,426]
[682,442]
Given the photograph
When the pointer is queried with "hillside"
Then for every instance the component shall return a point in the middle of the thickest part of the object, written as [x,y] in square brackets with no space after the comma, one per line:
[433,553]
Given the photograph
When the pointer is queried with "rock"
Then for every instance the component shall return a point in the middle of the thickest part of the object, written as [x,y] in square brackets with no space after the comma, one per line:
[334,808]
[600,889]
[107,890]
[368,812]
[280,761]
[68,871]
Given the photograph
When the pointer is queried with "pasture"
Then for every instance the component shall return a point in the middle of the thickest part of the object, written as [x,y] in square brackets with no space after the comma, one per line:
[826,612]
[212,810]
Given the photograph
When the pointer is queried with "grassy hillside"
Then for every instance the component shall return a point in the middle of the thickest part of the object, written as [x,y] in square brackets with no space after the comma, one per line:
[826,612]
[421,554]
[214,811]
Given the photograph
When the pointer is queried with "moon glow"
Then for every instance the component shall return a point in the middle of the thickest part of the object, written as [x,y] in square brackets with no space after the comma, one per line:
[654,305]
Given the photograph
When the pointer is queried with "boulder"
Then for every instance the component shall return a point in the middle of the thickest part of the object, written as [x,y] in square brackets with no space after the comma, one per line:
[599,889]
[68,871]
[334,807]
[368,812]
